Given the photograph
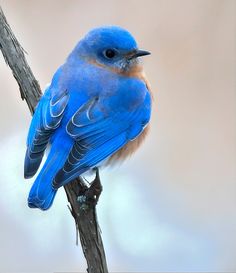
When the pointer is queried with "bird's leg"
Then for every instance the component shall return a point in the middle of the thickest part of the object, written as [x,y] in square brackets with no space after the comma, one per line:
[94,191]
[92,194]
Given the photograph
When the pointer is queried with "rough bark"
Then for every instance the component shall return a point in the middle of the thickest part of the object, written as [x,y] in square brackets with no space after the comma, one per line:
[82,199]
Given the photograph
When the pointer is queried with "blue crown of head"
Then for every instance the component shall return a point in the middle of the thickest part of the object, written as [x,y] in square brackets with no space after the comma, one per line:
[95,43]
[110,36]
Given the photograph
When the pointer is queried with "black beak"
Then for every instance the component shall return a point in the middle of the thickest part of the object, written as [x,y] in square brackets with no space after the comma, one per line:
[138,53]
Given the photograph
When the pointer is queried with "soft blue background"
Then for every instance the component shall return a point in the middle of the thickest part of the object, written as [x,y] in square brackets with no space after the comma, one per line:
[172,206]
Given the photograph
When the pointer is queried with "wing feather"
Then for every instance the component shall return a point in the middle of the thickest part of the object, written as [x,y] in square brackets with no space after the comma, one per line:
[46,120]
[98,134]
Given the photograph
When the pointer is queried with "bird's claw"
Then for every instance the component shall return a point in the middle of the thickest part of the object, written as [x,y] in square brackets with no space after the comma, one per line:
[91,194]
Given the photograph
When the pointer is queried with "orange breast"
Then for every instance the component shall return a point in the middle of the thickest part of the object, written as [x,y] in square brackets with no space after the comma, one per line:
[132,146]
[126,151]
[129,148]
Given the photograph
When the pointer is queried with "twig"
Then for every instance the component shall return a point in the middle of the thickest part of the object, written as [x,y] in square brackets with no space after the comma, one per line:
[82,199]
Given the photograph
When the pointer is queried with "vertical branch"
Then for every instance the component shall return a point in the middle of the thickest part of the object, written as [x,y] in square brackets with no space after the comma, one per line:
[84,213]
[13,54]
[82,199]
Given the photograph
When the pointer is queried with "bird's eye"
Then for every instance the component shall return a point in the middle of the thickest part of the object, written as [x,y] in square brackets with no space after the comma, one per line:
[109,53]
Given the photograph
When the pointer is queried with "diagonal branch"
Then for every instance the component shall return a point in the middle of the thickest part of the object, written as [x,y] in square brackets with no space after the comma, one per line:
[82,199]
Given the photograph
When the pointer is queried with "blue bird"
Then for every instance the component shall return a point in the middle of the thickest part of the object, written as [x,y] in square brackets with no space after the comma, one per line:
[95,111]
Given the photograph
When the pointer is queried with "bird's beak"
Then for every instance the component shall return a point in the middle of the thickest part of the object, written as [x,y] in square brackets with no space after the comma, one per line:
[138,53]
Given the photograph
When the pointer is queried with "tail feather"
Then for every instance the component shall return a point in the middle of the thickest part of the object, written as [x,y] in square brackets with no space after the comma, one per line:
[31,164]
[35,202]
[42,193]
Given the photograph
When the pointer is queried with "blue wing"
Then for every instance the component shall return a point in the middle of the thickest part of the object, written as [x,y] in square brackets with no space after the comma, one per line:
[98,133]
[46,120]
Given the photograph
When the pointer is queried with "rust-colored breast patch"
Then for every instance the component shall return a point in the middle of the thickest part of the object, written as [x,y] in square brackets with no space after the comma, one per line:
[129,148]
[126,151]
[137,72]
[132,146]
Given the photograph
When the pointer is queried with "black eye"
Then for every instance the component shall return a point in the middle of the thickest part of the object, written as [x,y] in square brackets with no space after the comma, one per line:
[109,53]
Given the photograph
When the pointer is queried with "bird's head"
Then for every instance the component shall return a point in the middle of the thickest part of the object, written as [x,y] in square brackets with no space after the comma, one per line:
[110,46]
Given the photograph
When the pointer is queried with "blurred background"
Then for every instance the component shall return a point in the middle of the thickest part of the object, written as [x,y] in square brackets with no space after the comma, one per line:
[172,206]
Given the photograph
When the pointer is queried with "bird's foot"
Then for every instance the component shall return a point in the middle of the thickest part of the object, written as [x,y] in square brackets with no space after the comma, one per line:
[91,195]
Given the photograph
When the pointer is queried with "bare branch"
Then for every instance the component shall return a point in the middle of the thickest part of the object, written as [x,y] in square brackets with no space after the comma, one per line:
[14,56]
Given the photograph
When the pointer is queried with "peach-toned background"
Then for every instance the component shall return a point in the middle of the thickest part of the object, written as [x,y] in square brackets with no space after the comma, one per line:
[172,207]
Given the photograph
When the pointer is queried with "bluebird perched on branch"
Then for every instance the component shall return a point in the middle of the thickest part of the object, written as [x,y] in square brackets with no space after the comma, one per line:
[96,111]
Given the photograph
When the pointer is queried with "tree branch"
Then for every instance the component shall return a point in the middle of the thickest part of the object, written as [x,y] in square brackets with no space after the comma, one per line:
[82,199]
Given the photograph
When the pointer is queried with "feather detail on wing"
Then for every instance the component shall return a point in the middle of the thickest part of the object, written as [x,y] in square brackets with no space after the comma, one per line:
[46,120]
[97,134]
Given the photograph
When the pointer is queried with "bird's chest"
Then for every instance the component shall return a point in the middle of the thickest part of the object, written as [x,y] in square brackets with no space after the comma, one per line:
[92,79]
[128,149]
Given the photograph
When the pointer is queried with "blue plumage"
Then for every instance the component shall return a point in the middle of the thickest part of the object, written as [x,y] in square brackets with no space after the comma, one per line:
[95,105]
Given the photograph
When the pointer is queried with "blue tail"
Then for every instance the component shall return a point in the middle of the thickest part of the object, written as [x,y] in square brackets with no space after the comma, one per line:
[42,193]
